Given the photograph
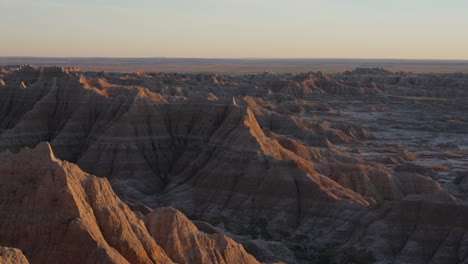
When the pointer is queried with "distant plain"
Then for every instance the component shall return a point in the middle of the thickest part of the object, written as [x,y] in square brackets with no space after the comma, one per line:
[240,66]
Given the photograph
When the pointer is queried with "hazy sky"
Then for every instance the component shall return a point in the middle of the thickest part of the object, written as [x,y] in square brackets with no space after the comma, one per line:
[419,29]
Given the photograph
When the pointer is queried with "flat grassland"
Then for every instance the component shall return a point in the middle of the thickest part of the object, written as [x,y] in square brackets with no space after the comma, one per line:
[241,66]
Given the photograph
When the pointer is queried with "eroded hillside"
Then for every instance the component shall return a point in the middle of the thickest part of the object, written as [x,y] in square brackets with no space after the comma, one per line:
[349,167]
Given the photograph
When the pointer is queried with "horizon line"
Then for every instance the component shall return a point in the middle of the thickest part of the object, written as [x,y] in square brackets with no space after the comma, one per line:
[229,58]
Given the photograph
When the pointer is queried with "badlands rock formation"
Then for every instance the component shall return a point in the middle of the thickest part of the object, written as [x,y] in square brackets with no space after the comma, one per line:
[12,256]
[335,168]
[184,243]
[56,213]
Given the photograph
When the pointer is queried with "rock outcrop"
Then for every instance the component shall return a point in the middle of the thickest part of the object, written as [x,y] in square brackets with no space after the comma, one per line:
[309,161]
[56,213]
[12,256]
[184,243]
[418,231]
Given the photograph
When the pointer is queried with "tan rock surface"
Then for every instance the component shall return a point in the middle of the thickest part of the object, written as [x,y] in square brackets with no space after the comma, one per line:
[74,217]
[12,256]
[56,213]
[184,243]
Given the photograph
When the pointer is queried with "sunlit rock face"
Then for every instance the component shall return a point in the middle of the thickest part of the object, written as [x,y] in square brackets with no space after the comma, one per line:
[56,213]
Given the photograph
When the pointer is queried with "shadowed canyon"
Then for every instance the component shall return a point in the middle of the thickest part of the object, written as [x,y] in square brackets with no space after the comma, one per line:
[361,166]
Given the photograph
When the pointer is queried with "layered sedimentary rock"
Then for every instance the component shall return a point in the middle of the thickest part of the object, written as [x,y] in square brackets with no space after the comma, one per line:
[184,243]
[56,213]
[267,157]
[417,231]
[12,256]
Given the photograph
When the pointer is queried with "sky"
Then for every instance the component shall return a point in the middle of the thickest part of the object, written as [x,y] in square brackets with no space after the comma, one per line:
[397,29]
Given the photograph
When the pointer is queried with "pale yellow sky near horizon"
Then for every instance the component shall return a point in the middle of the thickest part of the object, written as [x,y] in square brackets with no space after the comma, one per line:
[415,29]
